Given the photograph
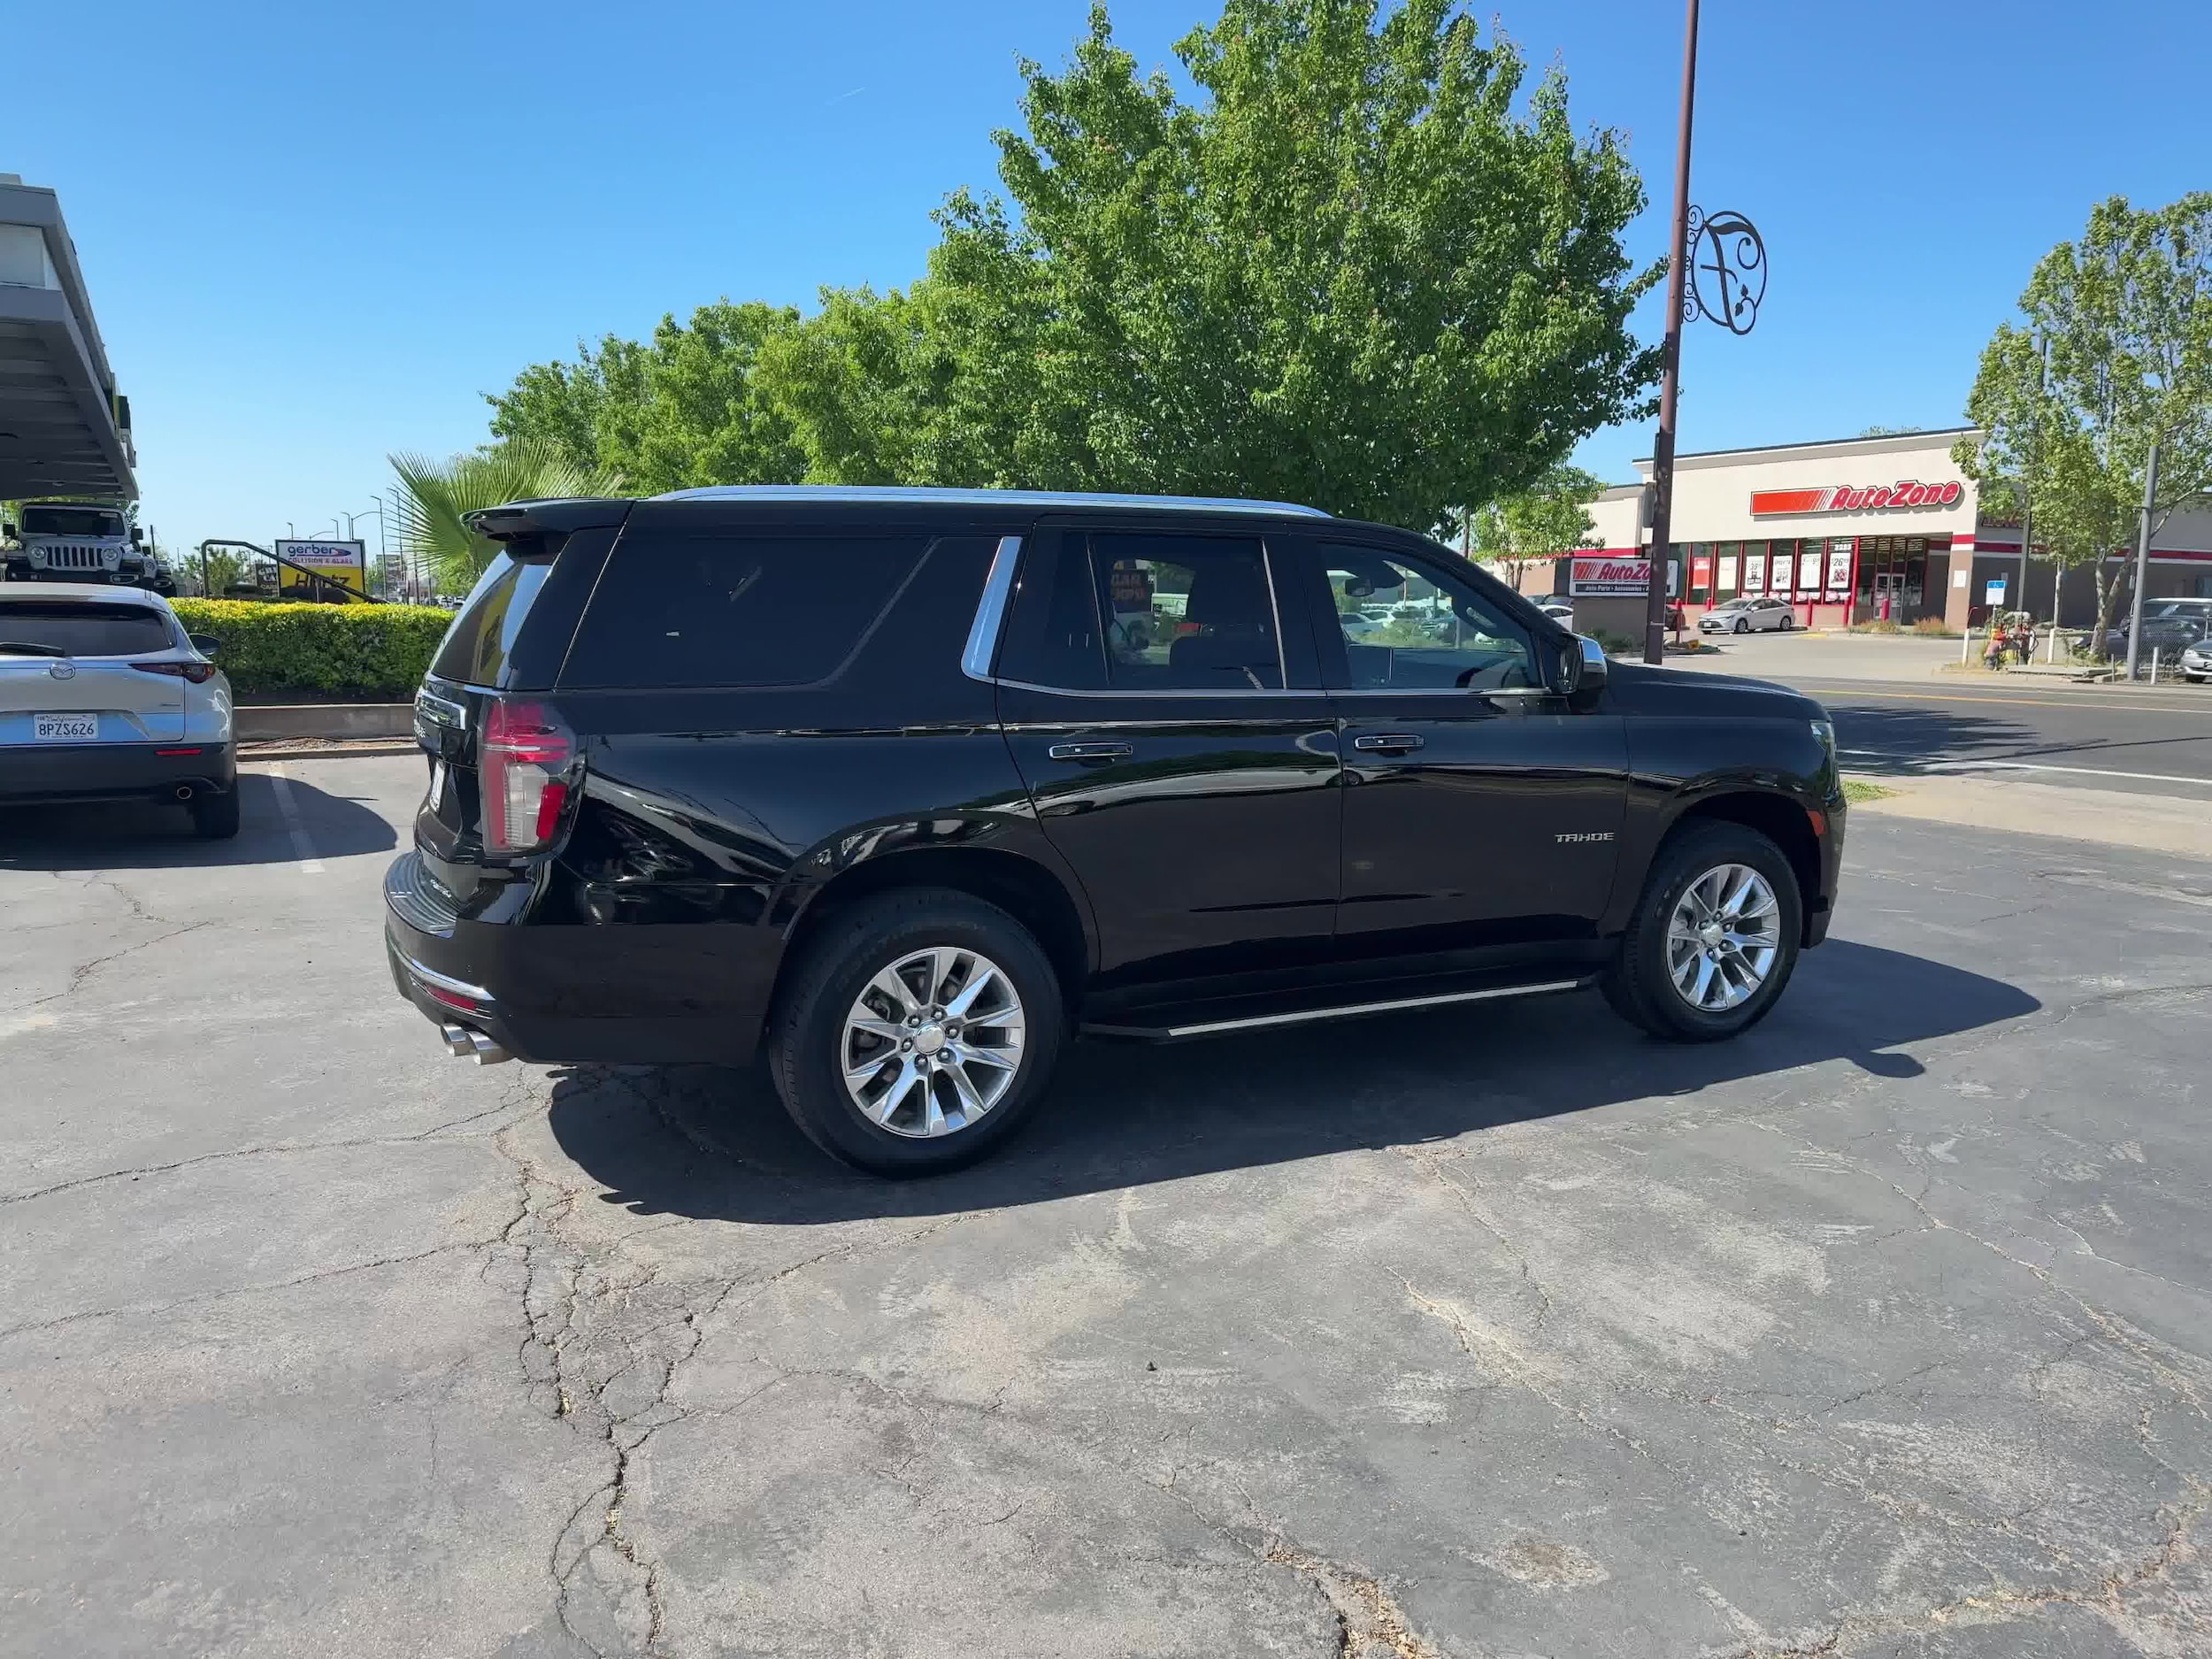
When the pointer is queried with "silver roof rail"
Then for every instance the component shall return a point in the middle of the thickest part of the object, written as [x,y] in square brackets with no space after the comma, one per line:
[881,495]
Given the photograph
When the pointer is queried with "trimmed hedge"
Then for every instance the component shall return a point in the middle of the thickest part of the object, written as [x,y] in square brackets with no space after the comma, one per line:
[371,652]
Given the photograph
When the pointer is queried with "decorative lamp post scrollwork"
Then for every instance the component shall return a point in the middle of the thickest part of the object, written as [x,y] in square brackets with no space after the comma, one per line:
[1716,269]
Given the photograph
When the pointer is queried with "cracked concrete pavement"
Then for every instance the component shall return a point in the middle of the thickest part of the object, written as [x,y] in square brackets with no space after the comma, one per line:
[1885,1331]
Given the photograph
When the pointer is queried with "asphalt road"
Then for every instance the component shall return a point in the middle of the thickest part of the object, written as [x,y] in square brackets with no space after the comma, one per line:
[1895,714]
[1886,1330]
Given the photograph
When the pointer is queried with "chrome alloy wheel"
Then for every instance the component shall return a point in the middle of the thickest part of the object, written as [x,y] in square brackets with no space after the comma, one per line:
[1722,938]
[932,1042]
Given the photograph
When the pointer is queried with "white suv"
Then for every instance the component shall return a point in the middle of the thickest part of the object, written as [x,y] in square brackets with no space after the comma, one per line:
[104,698]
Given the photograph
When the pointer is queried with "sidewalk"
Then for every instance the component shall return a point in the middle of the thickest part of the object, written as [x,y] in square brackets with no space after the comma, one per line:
[2163,823]
[1893,658]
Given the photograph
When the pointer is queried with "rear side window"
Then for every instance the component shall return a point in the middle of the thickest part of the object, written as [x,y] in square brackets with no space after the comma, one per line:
[1146,613]
[725,610]
[476,648]
[82,628]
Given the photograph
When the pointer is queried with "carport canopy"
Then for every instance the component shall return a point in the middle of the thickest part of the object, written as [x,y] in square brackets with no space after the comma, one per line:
[63,428]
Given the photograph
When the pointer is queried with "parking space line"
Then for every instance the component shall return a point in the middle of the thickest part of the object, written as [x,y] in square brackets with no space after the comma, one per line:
[303,848]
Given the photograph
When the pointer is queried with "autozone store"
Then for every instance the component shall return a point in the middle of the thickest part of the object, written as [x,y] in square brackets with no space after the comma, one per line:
[1851,530]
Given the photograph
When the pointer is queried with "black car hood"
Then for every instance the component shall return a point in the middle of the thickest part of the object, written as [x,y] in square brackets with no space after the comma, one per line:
[1639,688]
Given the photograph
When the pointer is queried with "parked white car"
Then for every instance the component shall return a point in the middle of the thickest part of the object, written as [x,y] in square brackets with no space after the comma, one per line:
[1559,610]
[1748,615]
[104,698]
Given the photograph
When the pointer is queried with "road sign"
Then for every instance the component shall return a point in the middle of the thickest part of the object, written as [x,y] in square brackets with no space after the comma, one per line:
[345,562]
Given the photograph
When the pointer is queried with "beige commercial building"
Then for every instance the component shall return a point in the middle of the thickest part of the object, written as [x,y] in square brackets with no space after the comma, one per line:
[1850,530]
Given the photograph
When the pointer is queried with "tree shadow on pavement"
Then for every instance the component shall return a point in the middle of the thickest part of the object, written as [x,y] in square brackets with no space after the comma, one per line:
[709,1143]
[1881,740]
[144,836]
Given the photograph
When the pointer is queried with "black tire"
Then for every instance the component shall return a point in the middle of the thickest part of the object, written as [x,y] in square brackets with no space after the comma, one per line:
[808,1024]
[215,817]
[1789,620]
[1639,987]
[1743,625]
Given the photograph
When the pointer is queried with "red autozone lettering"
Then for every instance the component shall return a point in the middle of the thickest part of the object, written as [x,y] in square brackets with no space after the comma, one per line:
[1905,492]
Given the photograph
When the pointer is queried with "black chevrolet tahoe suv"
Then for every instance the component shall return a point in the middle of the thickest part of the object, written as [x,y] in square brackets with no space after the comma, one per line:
[911,788]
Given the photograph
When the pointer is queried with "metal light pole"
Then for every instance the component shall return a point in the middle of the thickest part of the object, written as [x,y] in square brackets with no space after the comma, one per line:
[1671,361]
[2142,559]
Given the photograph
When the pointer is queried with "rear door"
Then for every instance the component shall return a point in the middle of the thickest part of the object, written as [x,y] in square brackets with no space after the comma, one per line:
[1161,700]
[1480,810]
[66,679]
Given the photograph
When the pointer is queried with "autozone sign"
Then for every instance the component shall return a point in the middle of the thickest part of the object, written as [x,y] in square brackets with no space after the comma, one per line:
[1593,576]
[1844,498]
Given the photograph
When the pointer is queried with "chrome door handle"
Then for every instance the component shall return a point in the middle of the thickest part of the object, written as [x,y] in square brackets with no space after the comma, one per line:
[1388,744]
[1089,751]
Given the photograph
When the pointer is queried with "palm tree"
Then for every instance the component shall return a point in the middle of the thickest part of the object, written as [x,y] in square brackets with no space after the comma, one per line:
[436,497]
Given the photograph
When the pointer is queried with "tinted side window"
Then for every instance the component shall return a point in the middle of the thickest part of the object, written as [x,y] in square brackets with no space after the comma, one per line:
[481,638]
[1410,626]
[82,628]
[1185,613]
[1052,636]
[687,610]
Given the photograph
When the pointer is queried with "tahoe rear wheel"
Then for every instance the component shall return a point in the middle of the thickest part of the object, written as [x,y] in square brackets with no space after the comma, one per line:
[1714,938]
[918,1031]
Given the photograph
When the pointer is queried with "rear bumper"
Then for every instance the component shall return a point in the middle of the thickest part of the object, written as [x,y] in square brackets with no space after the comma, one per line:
[557,993]
[33,775]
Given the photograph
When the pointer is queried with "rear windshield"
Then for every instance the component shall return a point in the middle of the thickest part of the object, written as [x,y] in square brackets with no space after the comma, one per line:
[676,610]
[80,628]
[476,648]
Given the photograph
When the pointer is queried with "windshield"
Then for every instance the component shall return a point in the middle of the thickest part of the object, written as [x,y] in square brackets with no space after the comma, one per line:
[80,628]
[94,521]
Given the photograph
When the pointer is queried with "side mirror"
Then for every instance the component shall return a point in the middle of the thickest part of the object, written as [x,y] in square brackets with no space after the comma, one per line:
[205,644]
[1581,672]
[138,536]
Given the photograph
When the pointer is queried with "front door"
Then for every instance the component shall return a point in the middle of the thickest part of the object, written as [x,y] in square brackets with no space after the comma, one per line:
[1480,810]
[1162,705]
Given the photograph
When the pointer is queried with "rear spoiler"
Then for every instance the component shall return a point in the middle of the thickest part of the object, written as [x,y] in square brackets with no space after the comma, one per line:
[535,530]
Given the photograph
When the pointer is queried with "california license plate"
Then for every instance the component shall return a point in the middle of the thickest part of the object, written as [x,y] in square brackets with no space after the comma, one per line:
[64,728]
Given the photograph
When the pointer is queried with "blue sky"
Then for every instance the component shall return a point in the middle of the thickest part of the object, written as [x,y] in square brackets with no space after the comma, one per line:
[315,234]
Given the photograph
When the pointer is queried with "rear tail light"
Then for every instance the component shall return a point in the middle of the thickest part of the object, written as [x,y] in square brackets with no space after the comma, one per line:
[527,765]
[198,674]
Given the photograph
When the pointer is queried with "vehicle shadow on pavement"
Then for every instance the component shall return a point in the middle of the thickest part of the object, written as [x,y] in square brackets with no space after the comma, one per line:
[1879,739]
[714,1144]
[145,836]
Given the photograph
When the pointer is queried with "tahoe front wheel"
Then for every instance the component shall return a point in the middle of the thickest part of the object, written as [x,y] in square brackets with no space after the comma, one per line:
[1714,938]
[919,1029]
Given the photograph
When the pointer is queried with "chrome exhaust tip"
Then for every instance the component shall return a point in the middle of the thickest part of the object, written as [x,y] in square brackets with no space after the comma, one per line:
[184,792]
[486,1051]
[457,1039]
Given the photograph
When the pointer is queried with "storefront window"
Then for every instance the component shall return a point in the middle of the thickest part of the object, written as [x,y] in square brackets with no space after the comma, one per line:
[1754,567]
[1700,572]
[1726,558]
[1839,584]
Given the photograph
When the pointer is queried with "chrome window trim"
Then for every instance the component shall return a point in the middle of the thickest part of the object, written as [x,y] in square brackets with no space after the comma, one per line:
[1185,696]
[1446,691]
[1274,615]
[990,613]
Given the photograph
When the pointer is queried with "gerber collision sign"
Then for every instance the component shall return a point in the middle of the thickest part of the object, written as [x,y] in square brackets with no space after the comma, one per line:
[1844,498]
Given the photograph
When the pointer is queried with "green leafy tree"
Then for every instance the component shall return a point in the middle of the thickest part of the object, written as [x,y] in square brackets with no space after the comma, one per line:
[683,409]
[436,497]
[1369,268]
[1360,272]
[2127,316]
[1539,524]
